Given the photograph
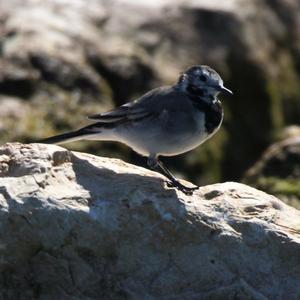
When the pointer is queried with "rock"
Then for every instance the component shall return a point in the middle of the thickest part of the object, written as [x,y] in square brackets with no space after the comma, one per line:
[77,226]
[278,170]
[52,41]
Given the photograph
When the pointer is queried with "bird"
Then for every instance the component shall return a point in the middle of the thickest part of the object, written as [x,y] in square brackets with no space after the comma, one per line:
[166,121]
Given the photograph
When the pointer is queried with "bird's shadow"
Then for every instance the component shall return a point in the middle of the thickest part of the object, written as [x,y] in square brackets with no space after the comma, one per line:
[109,184]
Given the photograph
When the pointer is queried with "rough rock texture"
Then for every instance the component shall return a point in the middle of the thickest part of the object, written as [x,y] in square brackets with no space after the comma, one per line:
[76,226]
[67,59]
[278,170]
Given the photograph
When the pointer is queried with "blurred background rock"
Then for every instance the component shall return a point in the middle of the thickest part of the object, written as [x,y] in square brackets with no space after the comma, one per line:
[62,60]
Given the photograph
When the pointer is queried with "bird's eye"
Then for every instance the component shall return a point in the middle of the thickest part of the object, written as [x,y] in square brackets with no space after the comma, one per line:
[202,77]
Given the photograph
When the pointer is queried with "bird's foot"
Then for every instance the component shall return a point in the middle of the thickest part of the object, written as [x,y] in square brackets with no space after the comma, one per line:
[185,189]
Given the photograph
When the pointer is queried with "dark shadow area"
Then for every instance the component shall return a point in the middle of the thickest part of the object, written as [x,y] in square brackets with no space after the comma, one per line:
[18,87]
[127,76]
[105,177]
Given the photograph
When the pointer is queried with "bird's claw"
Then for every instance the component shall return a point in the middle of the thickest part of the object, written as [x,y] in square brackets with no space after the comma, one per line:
[185,189]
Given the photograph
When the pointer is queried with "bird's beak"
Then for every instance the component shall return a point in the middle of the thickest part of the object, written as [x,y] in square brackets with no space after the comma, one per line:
[224,90]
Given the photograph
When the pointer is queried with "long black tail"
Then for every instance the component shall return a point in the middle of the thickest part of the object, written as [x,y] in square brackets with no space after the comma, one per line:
[65,137]
[87,132]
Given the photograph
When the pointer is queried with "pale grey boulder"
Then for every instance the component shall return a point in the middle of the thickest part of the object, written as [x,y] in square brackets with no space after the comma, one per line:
[77,226]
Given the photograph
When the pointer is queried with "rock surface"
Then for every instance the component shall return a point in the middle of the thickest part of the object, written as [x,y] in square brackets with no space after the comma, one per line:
[68,59]
[77,226]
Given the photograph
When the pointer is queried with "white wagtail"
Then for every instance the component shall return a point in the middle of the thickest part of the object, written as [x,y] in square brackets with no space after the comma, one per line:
[166,121]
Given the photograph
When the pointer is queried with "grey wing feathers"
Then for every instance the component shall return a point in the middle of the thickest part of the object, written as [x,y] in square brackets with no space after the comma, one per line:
[125,112]
[150,104]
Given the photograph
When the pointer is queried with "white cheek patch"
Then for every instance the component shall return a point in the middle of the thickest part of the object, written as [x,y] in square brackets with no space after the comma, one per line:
[210,90]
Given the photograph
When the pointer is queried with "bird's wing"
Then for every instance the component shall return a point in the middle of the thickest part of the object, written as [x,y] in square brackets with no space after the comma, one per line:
[146,106]
[128,111]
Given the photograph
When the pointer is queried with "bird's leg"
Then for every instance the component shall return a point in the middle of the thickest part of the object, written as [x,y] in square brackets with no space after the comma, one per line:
[158,166]
[174,182]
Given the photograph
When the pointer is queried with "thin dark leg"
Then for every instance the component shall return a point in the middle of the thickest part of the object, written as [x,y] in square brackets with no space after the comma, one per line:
[158,166]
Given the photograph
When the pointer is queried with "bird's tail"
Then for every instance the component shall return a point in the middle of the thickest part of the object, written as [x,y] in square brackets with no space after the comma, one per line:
[65,138]
[96,131]
[89,132]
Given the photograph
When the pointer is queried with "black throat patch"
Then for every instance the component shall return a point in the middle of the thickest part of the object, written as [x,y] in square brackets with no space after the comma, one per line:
[212,110]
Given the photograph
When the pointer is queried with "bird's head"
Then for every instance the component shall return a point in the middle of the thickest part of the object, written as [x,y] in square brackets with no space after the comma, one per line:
[202,81]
